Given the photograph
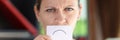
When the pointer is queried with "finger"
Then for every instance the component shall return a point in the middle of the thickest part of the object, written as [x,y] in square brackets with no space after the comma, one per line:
[47,37]
[42,37]
[39,38]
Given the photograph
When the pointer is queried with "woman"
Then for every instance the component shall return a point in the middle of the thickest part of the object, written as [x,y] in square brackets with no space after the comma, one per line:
[56,12]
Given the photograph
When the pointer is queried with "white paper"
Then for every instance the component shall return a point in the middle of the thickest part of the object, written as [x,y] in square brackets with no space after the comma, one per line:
[60,32]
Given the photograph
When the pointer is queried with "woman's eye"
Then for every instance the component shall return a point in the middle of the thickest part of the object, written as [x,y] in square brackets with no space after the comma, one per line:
[69,9]
[50,10]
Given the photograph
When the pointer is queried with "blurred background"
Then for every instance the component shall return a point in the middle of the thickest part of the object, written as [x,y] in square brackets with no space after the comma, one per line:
[17,20]
[100,20]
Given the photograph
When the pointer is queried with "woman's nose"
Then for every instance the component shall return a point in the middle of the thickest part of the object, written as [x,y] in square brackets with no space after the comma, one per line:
[60,17]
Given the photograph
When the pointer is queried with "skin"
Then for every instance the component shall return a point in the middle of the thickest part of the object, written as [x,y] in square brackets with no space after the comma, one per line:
[57,12]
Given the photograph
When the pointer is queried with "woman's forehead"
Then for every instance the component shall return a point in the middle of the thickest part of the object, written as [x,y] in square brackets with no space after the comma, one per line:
[59,2]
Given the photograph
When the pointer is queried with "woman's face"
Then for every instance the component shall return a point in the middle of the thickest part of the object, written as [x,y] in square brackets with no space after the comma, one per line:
[58,12]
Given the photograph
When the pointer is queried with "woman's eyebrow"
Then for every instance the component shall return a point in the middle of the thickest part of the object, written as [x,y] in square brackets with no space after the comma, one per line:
[70,5]
[49,7]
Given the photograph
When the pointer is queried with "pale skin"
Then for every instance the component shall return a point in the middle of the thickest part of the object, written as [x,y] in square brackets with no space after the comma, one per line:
[57,12]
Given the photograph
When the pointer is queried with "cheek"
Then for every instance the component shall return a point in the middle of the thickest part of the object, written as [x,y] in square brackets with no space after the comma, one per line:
[72,19]
[46,19]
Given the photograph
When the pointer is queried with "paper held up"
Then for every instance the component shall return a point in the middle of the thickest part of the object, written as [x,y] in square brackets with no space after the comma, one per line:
[60,32]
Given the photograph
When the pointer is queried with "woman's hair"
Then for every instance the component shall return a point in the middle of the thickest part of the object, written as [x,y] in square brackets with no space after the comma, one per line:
[38,3]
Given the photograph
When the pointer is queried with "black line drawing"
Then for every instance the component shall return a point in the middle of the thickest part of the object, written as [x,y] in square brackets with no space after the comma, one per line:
[58,31]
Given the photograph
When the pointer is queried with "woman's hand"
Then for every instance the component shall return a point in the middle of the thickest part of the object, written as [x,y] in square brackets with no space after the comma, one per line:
[42,37]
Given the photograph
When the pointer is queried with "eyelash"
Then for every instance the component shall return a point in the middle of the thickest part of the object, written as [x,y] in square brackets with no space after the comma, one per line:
[53,10]
[69,9]
[50,10]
